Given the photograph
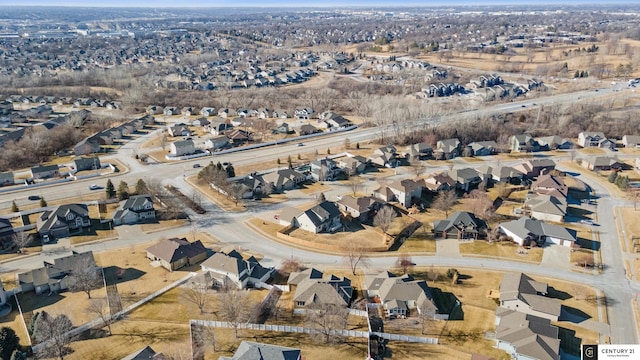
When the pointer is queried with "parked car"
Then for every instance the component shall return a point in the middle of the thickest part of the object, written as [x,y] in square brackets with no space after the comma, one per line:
[45,238]
[587,222]
[300,144]
[34,197]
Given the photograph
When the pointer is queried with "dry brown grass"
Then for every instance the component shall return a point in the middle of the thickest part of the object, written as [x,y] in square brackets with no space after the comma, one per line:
[369,237]
[163,225]
[216,197]
[501,250]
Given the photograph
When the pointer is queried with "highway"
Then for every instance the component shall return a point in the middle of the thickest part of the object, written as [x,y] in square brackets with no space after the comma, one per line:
[231,227]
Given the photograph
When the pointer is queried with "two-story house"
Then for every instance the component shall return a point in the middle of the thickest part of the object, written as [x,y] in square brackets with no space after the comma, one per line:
[138,208]
[64,220]
[183,147]
[323,217]
[232,271]
[325,170]
[402,191]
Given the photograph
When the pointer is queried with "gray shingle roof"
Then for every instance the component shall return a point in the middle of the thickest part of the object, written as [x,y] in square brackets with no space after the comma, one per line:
[249,350]
[171,250]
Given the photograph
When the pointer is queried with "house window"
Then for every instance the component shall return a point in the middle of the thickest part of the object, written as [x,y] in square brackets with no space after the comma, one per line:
[70,216]
[300,303]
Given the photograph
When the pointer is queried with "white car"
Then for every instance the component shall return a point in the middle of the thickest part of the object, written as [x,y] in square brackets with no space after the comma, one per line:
[94,187]
[587,222]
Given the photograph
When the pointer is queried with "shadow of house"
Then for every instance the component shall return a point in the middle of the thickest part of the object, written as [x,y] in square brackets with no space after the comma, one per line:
[117,275]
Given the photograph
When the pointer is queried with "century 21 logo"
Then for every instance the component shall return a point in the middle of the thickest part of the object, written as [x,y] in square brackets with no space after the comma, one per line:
[589,352]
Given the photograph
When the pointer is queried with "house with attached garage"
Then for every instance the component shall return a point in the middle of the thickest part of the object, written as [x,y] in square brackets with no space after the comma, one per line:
[548,184]
[90,145]
[631,141]
[447,149]
[178,130]
[384,156]
[283,179]
[501,174]
[525,230]
[216,142]
[231,270]
[553,142]
[484,148]
[325,170]
[466,178]
[523,143]
[525,336]
[323,217]
[147,353]
[535,167]
[174,253]
[602,163]
[402,295]
[403,191]
[64,220]
[182,147]
[361,208]
[53,277]
[519,292]
[545,207]
[418,151]
[312,288]
[352,165]
[303,113]
[81,164]
[44,172]
[439,182]
[595,139]
[136,209]
[460,225]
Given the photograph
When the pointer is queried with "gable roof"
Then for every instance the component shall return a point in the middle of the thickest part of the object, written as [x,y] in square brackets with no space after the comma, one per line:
[49,218]
[522,287]
[146,353]
[550,185]
[172,250]
[530,335]
[321,212]
[330,290]
[547,204]
[227,263]
[361,204]
[525,226]
[249,350]
[462,220]
[297,277]
[398,291]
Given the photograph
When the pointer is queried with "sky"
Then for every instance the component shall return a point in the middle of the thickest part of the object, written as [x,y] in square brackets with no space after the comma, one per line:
[294,3]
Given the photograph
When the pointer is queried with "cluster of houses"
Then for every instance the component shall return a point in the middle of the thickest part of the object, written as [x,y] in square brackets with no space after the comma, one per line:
[44,124]
[93,143]
[523,319]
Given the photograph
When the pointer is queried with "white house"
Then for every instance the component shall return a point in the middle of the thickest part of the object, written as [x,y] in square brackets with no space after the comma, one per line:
[525,230]
[183,147]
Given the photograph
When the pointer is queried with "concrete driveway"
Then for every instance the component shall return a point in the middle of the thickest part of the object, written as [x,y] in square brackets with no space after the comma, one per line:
[556,256]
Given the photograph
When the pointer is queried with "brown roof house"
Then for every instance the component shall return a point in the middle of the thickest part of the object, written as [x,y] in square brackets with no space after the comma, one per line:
[548,184]
[439,182]
[525,336]
[311,290]
[402,191]
[519,292]
[176,253]
[362,208]
[231,270]
[53,276]
[535,167]
[602,163]
[402,295]
[460,225]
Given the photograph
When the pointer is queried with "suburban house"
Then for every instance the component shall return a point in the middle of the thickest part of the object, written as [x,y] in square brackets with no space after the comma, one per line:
[323,217]
[362,208]
[175,253]
[238,136]
[135,209]
[519,292]
[81,164]
[284,179]
[218,126]
[334,120]
[64,220]
[216,142]
[282,129]
[325,170]
[447,149]
[7,178]
[501,174]
[208,111]
[147,353]
[6,233]
[545,207]
[402,191]
[249,350]
[44,172]
[53,276]
[385,156]
[484,148]
[548,184]
[535,167]
[89,145]
[312,290]
[303,113]
[466,178]
[178,130]
[525,230]
[525,336]
[352,165]
[595,139]
[632,141]
[232,270]
[307,129]
[201,122]
[523,143]
[418,151]
[602,163]
[461,225]
[401,295]
[553,142]
[182,147]
[170,110]
[439,182]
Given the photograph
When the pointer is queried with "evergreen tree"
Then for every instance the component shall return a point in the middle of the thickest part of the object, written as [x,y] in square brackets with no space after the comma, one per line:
[141,187]
[123,191]
[14,207]
[19,355]
[9,342]
[43,202]
[613,177]
[231,172]
[110,190]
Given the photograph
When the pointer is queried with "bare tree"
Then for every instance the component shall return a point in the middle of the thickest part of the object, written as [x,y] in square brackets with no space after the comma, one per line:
[196,294]
[355,256]
[384,218]
[634,195]
[417,166]
[444,201]
[99,307]
[21,239]
[503,190]
[480,204]
[425,317]
[233,306]
[52,334]
[405,262]
[237,191]
[289,265]
[163,141]
[84,276]
[325,319]
[355,182]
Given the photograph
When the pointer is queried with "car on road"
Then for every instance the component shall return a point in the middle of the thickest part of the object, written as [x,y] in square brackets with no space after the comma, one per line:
[45,238]
[33,197]
[94,187]
[300,144]
[587,222]
[195,166]
[225,163]
[524,105]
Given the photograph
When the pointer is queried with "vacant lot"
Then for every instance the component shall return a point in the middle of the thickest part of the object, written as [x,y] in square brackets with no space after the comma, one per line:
[501,249]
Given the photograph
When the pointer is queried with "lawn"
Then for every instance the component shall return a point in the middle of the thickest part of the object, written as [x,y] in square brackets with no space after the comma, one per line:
[420,241]
[507,250]
[215,196]
[163,225]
